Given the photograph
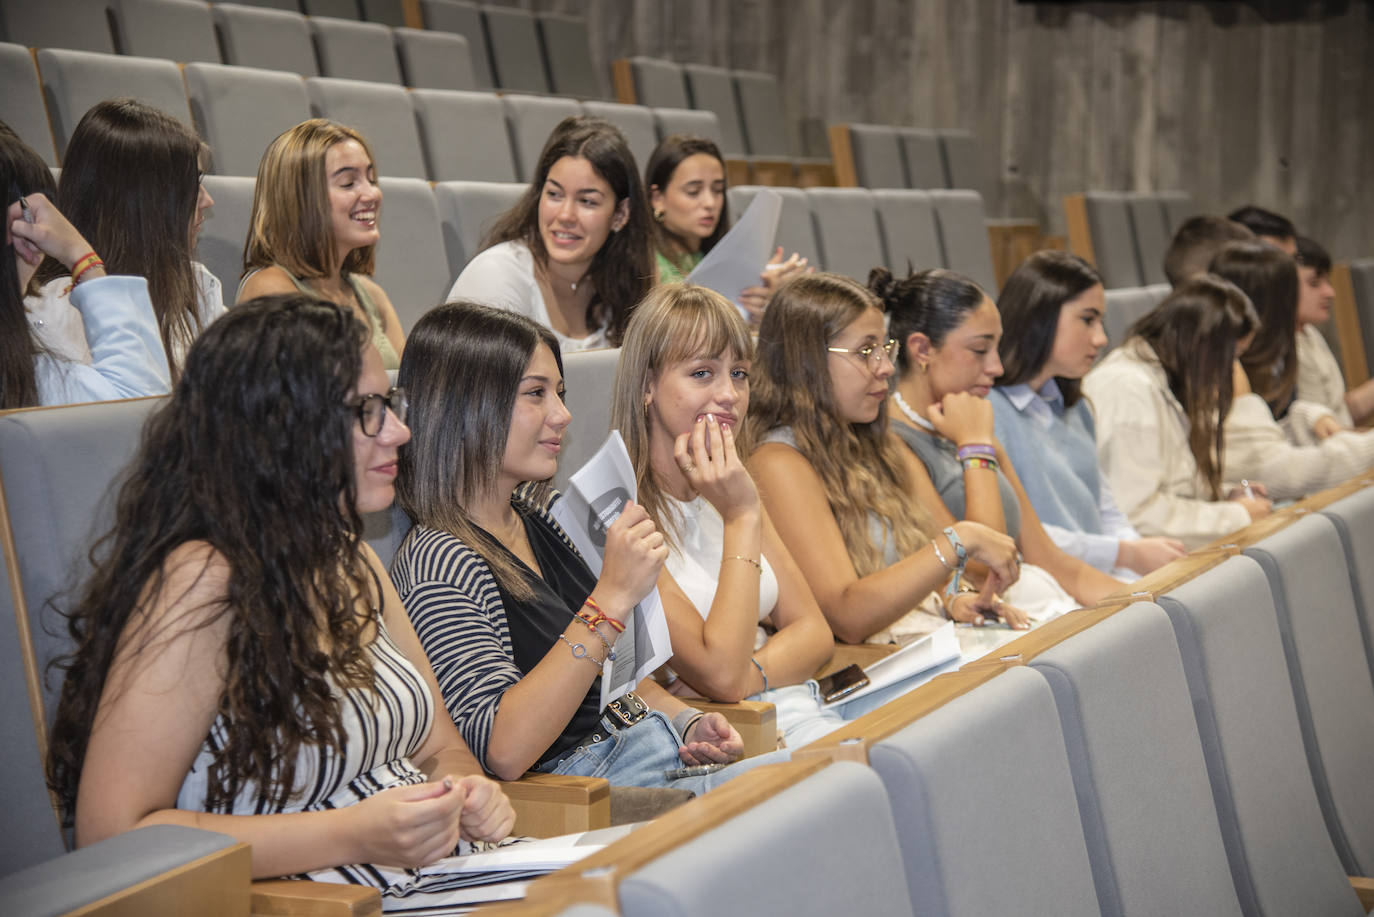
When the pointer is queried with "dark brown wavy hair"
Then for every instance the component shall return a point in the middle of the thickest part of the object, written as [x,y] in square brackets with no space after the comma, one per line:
[1270,278]
[21,172]
[252,455]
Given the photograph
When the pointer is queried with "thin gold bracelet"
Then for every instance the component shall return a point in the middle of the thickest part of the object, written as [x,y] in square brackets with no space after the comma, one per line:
[748,560]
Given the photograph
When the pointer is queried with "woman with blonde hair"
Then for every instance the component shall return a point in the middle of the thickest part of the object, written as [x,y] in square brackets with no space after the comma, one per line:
[848,499]
[314,227]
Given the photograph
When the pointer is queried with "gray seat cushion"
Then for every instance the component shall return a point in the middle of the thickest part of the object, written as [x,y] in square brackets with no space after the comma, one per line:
[463,135]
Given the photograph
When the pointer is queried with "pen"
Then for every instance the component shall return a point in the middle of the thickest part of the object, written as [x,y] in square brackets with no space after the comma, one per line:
[1245,486]
[23,203]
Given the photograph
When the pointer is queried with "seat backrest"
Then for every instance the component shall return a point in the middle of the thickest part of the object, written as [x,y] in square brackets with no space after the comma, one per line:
[21,104]
[964,235]
[763,115]
[1150,229]
[180,30]
[1109,223]
[1332,687]
[225,230]
[1282,859]
[267,38]
[334,9]
[293,6]
[1362,282]
[962,160]
[468,210]
[713,89]
[462,18]
[877,155]
[925,165]
[589,376]
[530,120]
[686,121]
[755,859]
[1143,792]
[1178,206]
[567,52]
[1126,306]
[463,135]
[636,122]
[240,110]
[1353,517]
[355,50]
[381,113]
[73,81]
[78,25]
[847,229]
[431,59]
[911,239]
[513,41]
[795,231]
[411,264]
[384,530]
[660,83]
[1005,735]
[387,12]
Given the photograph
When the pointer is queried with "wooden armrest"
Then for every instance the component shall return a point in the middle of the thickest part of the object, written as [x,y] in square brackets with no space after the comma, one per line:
[547,805]
[1053,632]
[1345,313]
[773,172]
[1174,573]
[860,654]
[1325,498]
[842,154]
[1364,888]
[215,884]
[755,721]
[272,897]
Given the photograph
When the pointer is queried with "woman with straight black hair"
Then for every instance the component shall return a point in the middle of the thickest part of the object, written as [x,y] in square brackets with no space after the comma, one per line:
[242,663]
[1052,308]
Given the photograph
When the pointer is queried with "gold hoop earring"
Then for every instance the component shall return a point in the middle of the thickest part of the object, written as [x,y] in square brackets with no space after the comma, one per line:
[658,216]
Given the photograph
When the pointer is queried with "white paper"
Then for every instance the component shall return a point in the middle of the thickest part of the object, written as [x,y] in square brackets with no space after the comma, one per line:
[934,649]
[734,263]
[596,495]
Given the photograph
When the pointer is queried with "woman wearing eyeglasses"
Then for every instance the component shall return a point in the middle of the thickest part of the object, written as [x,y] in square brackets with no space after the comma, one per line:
[242,662]
[947,331]
[842,490]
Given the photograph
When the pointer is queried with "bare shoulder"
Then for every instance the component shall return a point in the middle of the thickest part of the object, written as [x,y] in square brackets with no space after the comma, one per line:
[265,282]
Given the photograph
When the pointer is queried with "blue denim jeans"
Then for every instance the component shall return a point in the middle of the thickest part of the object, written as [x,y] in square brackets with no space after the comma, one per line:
[640,755]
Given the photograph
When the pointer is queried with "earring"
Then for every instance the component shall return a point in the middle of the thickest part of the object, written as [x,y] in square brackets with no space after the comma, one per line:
[658,216]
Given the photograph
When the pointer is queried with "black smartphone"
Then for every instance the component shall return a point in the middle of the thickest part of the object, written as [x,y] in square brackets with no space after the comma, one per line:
[842,683]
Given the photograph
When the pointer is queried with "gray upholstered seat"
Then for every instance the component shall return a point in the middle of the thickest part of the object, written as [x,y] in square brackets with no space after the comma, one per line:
[355,50]
[463,135]
[762,115]
[513,41]
[713,89]
[531,119]
[847,229]
[1126,306]
[925,167]
[659,83]
[462,18]
[381,113]
[1282,859]
[268,38]
[1362,281]
[1353,518]
[636,122]
[225,230]
[21,104]
[1150,229]
[687,121]
[334,9]
[468,210]
[906,219]
[962,159]
[1178,207]
[79,25]
[431,59]
[838,817]
[240,110]
[984,780]
[1109,225]
[387,12]
[73,81]
[567,51]
[795,232]
[1332,685]
[877,156]
[1148,816]
[411,264]
[180,30]
[589,376]
[964,236]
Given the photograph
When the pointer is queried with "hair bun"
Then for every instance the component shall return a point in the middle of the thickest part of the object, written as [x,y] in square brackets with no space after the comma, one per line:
[881,281]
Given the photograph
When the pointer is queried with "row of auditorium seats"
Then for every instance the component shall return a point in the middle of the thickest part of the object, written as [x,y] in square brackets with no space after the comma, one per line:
[883,156]
[425,133]
[1201,749]
[463,45]
[1125,234]
[430,232]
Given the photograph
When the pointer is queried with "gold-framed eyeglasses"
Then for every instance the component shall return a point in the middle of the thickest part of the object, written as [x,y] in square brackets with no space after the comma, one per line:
[872,353]
[372,409]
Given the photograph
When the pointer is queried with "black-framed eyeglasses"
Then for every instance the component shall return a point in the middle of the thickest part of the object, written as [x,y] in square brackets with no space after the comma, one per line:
[372,409]
[872,353]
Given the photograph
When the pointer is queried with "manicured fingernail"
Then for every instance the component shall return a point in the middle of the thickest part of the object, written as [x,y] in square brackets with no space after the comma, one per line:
[448,784]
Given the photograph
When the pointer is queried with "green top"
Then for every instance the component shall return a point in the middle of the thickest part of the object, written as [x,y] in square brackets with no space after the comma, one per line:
[668,272]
